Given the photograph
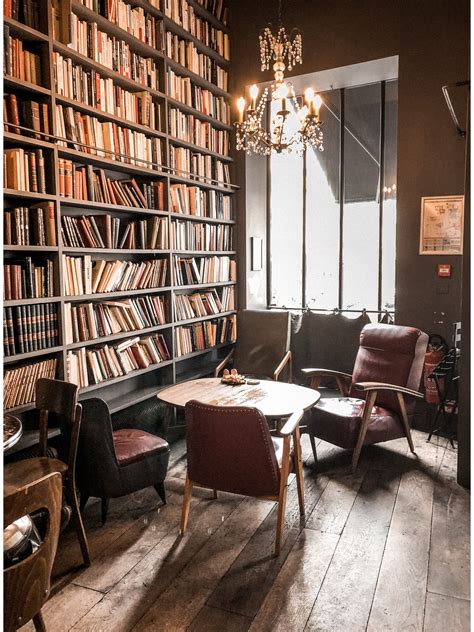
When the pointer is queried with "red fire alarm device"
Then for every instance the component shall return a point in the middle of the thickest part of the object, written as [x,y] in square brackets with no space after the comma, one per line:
[444,270]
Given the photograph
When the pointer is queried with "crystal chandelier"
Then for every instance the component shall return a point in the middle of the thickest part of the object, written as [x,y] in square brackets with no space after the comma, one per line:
[286,134]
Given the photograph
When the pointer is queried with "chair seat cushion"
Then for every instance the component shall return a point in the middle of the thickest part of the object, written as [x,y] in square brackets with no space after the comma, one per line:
[133,445]
[337,420]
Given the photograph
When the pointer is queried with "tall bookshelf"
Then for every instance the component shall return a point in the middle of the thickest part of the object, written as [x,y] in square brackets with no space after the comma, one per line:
[165,75]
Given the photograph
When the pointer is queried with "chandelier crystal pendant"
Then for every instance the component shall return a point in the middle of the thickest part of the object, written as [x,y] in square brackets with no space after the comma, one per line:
[292,129]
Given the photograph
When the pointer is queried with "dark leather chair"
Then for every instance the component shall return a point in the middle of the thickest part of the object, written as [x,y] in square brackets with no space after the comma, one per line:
[230,449]
[27,583]
[115,462]
[262,348]
[58,399]
[372,409]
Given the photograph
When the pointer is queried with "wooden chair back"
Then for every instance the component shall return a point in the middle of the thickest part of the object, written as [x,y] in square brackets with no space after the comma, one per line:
[27,583]
[59,398]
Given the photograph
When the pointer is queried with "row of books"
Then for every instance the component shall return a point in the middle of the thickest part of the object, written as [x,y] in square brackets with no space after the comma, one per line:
[88,321]
[30,226]
[192,164]
[205,335]
[24,170]
[186,54]
[195,201]
[106,231]
[202,304]
[216,7]
[19,384]
[30,328]
[24,11]
[196,236]
[192,130]
[194,271]
[95,365]
[107,139]
[20,62]
[133,20]
[25,279]
[113,53]
[183,14]
[185,90]
[25,113]
[93,185]
[89,87]
[82,275]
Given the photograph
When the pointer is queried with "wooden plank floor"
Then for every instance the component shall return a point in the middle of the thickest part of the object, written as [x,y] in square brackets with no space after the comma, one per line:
[386,549]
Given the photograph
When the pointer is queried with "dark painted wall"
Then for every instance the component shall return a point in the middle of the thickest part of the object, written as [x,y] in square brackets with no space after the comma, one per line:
[431,38]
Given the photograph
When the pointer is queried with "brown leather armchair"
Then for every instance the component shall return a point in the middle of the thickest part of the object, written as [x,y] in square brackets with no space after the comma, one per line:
[262,348]
[113,462]
[372,409]
[230,449]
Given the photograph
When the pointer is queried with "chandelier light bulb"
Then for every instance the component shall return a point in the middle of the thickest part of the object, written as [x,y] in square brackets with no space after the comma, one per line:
[241,108]
[303,113]
[309,95]
[317,102]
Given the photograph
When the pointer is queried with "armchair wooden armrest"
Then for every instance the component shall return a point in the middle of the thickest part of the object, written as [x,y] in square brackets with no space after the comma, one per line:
[222,364]
[286,359]
[380,386]
[291,423]
[343,379]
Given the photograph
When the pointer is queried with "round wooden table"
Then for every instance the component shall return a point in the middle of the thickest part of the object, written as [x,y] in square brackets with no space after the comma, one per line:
[276,400]
[12,431]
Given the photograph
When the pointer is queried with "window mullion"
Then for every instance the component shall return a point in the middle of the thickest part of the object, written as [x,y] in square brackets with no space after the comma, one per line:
[304,266]
[381,188]
[341,197]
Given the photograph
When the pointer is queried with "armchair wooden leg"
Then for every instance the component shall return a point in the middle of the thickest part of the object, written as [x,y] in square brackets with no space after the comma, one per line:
[369,404]
[298,466]
[38,622]
[282,495]
[188,490]
[406,423]
[78,524]
[313,447]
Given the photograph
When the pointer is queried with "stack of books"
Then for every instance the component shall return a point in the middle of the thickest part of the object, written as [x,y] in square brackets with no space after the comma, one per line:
[183,89]
[19,384]
[30,226]
[25,279]
[186,54]
[195,201]
[27,12]
[200,336]
[18,112]
[24,170]
[192,271]
[192,130]
[197,236]
[201,304]
[19,62]
[30,328]
[192,164]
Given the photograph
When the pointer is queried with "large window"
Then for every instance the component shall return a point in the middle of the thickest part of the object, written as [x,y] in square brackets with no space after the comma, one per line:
[333,213]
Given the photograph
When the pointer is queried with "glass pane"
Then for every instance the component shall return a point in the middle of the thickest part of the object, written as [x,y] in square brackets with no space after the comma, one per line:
[361,202]
[390,196]
[286,227]
[322,211]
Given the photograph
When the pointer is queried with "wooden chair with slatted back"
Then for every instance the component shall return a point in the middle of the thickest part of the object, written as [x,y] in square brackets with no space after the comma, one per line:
[27,583]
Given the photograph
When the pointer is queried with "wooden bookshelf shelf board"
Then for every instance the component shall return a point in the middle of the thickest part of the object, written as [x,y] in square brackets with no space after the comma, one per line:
[26,86]
[32,301]
[24,32]
[202,351]
[110,207]
[119,336]
[115,251]
[111,295]
[121,80]
[82,107]
[152,180]
[17,139]
[28,195]
[121,378]
[142,48]
[31,354]
[199,218]
[200,319]
[30,248]
[198,114]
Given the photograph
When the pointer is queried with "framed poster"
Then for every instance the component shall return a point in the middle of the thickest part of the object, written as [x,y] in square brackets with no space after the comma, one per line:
[441,229]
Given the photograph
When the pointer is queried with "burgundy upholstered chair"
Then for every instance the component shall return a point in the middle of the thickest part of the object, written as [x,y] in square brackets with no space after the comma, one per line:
[231,450]
[372,409]
[114,462]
